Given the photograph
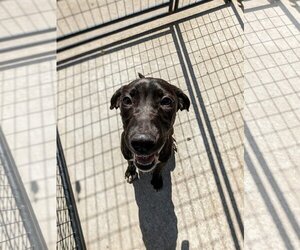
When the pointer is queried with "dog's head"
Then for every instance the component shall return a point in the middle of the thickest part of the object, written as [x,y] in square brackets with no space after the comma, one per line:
[148,109]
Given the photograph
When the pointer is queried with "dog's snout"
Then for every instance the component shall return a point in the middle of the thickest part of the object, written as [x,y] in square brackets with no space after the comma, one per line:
[143,144]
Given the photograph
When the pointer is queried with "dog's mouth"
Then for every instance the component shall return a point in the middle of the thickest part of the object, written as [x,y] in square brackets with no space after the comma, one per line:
[145,162]
[145,159]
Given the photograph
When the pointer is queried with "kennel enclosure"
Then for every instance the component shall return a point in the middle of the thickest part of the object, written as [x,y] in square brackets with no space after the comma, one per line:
[195,45]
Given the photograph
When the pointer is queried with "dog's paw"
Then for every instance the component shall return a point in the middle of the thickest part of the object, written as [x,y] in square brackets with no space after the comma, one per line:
[157,182]
[130,176]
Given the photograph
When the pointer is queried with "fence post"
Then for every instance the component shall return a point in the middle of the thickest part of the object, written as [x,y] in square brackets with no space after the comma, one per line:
[171,3]
[176,5]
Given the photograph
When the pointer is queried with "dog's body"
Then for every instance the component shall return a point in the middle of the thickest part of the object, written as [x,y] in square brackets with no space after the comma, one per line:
[148,109]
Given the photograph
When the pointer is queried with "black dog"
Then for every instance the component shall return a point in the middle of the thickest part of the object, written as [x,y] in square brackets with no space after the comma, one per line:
[148,109]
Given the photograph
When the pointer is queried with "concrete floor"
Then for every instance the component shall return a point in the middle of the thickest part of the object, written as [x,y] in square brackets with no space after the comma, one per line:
[202,200]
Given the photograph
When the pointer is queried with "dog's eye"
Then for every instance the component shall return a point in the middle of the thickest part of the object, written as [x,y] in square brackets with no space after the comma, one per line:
[127,100]
[166,101]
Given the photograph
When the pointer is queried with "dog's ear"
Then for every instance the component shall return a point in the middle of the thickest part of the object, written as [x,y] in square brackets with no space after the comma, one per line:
[141,76]
[115,99]
[183,100]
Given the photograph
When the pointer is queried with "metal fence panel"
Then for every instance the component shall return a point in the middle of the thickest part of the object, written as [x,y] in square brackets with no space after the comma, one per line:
[272,125]
[69,233]
[75,16]
[19,226]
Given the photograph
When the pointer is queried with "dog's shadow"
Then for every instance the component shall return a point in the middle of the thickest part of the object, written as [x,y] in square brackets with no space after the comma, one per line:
[158,221]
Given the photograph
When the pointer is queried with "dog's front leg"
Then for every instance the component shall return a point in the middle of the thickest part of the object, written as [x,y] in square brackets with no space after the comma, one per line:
[130,174]
[157,180]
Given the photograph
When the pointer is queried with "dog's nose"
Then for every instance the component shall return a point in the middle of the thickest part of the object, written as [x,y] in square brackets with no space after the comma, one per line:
[143,144]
